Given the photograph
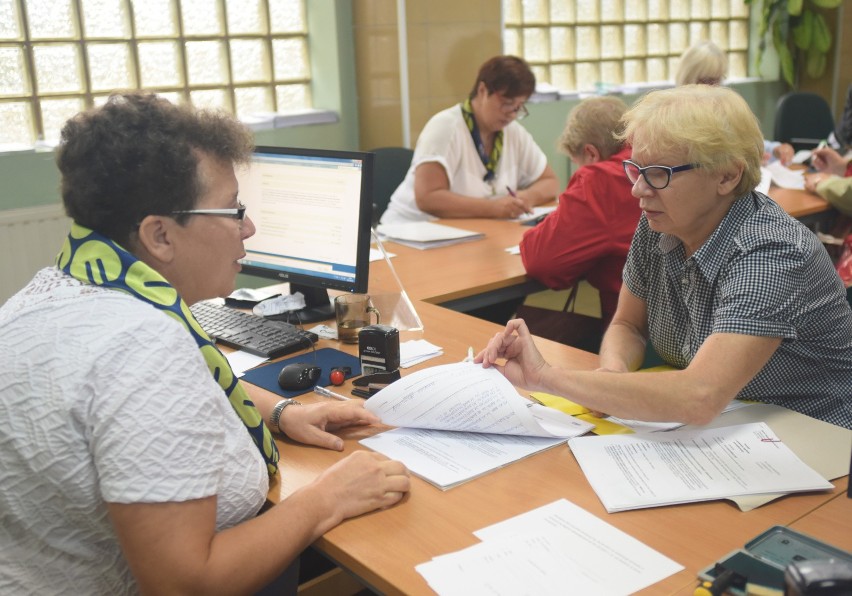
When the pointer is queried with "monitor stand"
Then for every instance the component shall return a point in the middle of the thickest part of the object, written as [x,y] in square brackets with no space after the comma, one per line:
[318,306]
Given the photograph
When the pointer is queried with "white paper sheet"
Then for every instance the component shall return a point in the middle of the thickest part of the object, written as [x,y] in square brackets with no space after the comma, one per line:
[448,458]
[785,177]
[467,397]
[463,421]
[425,234]
[682,466]
[555,549]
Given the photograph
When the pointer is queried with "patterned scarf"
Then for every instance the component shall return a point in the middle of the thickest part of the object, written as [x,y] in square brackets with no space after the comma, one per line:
[489,161]
[94,259]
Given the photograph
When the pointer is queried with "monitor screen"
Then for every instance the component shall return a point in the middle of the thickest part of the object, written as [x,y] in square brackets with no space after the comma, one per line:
[312,210]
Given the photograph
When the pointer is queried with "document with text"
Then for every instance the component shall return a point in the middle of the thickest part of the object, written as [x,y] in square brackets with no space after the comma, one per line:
[683,466]
[460,421]
[557,548]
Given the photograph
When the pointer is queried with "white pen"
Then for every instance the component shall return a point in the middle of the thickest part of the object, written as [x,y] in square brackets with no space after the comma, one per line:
[469,355]
[328,393]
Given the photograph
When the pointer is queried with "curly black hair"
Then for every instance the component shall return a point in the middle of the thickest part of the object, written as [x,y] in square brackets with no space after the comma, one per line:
[137,155]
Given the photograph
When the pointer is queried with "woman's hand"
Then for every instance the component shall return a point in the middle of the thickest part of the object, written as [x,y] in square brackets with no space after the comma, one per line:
[829,161]
[812,180]
[784,153]
[309,424]
[362,482]
[524,363]
[509,207]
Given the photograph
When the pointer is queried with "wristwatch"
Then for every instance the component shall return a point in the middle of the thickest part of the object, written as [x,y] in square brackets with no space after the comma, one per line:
[275,417]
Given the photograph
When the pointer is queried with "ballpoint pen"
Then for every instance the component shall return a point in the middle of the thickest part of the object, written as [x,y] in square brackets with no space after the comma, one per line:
[514,195]
[328,393]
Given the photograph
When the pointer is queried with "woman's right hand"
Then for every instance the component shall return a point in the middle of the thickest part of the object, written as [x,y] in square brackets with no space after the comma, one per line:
[524,363]
[509,207]
[828,160]
[362,482]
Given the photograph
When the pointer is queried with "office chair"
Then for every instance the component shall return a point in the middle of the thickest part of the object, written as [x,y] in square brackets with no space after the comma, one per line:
[802,119]
[390,165]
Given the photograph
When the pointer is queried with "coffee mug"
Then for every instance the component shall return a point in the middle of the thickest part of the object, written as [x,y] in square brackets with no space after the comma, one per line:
[352,312]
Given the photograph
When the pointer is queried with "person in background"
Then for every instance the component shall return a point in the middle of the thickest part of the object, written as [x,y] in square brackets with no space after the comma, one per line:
[742,299]
[473,159]
[590,232]
[132,458]
[704,63]
[833,178]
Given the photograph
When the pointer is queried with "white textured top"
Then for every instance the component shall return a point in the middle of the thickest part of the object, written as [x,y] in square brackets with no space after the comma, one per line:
[103,398]
[446,140]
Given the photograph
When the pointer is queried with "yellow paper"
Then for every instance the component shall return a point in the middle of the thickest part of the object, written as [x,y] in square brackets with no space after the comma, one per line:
[559,403]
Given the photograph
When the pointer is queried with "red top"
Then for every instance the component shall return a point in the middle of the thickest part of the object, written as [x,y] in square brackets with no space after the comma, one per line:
[589,234]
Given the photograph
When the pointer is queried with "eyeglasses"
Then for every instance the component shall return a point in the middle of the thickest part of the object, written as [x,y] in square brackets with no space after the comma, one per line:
[656,176]
[238,213]
[520,111]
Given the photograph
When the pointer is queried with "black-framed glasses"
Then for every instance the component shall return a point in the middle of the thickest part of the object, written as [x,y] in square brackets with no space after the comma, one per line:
[657,177]
[238,213]
[520,112]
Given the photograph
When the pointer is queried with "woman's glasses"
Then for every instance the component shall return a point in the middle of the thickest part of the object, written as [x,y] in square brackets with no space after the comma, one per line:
[238,213]
[657,177]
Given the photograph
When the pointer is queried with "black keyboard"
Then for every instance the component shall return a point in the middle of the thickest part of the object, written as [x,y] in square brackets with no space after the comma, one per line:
[249,332]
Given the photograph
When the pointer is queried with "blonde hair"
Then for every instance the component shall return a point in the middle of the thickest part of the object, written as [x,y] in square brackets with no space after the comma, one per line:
[703,62]
[710,126]
[593,121]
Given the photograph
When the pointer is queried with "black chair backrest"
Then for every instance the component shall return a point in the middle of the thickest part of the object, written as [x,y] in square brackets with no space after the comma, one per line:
[390,166]
[802,119]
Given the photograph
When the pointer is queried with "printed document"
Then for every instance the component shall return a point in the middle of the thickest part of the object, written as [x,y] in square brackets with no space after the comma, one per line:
[425,234]
[555,549]
[682,466]
[463,421]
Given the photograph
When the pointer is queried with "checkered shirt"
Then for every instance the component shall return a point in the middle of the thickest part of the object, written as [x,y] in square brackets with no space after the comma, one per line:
[760,273]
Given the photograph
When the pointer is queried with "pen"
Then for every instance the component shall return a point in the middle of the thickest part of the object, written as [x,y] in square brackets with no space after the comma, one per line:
[328,393]
[469,355]
[822,144]
[514,195]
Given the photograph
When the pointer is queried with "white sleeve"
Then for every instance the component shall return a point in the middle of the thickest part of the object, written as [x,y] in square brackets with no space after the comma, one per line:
[154,401]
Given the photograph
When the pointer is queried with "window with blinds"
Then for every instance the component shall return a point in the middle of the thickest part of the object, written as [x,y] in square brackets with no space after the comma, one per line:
[58,57]
[583,45]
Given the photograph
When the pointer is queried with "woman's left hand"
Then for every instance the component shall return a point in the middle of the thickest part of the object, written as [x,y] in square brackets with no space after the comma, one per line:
[310,423]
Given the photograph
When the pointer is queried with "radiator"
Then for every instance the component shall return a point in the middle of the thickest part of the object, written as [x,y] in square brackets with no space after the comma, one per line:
[29,240]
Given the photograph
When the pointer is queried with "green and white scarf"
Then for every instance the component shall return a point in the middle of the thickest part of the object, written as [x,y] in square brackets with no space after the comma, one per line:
[488,160]
[97,260]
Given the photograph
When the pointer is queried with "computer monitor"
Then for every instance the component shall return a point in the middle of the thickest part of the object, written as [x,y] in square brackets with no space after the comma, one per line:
[312,209]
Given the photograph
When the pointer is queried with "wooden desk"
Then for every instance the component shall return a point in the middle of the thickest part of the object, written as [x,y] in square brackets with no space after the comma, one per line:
[462,276]
[382,548]
[799,203]
[831,522]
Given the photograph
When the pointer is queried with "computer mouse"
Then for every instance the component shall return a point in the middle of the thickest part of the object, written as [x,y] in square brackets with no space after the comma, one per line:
[298,375]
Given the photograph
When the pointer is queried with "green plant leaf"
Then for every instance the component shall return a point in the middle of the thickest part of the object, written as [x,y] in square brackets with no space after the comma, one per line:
[815,64]
[786,59]
[794,7]
[827,3]
[821,34]
[803,32]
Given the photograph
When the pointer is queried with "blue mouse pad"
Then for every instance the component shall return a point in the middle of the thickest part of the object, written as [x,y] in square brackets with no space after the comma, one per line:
[266,376]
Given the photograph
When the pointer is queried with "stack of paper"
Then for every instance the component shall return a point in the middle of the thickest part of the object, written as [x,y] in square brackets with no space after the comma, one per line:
[425,234]
[463,421]
[556,549]
[682,466]
[415,351]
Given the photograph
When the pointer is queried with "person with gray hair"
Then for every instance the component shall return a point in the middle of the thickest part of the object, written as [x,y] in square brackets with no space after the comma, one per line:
[740,298]
[705,63]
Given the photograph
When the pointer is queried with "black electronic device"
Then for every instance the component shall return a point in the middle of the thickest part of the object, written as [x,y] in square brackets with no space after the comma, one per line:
[248,332]
[312,212]
[818,577]
[378,349]
[298,375]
